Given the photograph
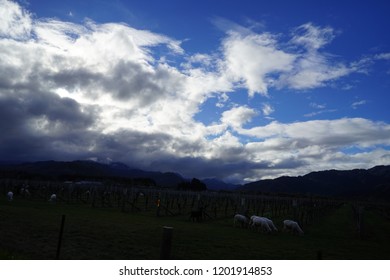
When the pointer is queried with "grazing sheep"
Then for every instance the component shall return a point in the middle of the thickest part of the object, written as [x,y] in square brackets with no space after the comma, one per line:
[10,196]
[241,220]
[53,198]
[260,222]
[251,220]
[269,227]
[292,226]
[271,224]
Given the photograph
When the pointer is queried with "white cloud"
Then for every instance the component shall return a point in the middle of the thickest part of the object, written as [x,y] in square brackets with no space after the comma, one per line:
[384,56]
[317,106]
[257,61]
[253,59]
[313,71]
[313,68]
[15,21]
[312,37]
[238,116]
[340,132]
[356,104]
[321,109]
[267,109]
[318,145]
[312,114]
[222,99]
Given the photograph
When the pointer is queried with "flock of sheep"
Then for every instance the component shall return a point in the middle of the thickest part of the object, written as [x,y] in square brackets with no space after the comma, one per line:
[265,225]
[10,195]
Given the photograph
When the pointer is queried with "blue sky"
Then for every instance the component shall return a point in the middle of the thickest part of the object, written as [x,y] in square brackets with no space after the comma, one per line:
[238,90]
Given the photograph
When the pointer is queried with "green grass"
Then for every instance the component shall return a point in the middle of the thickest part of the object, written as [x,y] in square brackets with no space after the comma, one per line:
[30,229]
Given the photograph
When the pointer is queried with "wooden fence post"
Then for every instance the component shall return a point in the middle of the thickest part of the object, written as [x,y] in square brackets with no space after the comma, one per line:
[60,237]
[166,243]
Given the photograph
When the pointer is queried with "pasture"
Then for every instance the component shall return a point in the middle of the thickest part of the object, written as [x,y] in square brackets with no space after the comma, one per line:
[29,229]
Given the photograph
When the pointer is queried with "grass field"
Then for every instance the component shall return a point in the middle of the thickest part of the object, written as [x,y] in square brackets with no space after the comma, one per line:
[30,230]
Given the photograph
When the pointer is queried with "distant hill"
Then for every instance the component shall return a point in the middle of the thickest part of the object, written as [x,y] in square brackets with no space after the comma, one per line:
[85,170]
[92,170]
[373,183]
[218,185]
[359,183]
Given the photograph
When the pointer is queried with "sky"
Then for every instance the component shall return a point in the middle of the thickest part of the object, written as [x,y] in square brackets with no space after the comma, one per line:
[235,90]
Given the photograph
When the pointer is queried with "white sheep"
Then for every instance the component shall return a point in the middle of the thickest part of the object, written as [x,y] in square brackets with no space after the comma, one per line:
[292,226]
[10,196]
[53,198]
[271,224]
[251,220]
[241,220]
[260,222]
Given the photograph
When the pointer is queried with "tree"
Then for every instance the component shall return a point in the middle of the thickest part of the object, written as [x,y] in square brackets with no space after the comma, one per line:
[195,185]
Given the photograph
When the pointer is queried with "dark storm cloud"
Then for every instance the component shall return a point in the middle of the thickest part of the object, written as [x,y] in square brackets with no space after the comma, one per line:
[133,147]
[153,151]
[41,125]
[73,79]
[132,81]
[124,81]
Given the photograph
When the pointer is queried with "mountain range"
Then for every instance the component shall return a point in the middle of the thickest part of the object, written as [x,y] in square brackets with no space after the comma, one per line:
[358,183]
[87,170]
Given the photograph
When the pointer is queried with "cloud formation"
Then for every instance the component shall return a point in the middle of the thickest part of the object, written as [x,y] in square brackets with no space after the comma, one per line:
[15,21]
[77,91]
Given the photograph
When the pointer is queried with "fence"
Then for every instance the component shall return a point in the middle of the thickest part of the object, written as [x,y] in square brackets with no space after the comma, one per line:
[168,202]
